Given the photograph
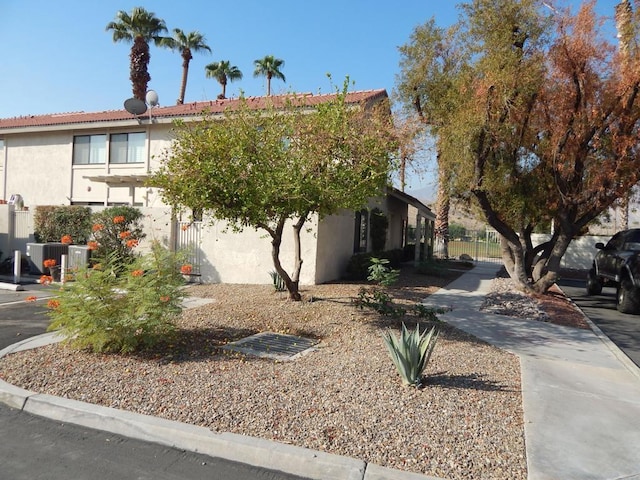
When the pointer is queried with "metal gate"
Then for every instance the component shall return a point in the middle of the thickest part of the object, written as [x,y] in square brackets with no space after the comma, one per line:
[189,242]
[480,245]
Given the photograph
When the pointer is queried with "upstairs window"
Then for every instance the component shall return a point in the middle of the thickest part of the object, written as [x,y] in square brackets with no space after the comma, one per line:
[127,148]
[89,149]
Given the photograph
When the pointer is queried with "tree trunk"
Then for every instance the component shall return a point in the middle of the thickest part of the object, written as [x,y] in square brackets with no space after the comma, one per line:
[186,58]
[441,224]
[276,241]
[624,211]
[138,69]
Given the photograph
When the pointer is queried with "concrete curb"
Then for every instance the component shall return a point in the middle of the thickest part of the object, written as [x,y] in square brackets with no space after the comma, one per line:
[253,451]
[11,286]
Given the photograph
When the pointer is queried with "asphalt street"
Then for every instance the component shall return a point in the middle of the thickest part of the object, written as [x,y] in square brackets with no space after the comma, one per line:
[621,328]
[35,448]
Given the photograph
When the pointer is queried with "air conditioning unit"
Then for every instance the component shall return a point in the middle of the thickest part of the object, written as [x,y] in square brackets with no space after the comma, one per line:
[78,257]
[37,253]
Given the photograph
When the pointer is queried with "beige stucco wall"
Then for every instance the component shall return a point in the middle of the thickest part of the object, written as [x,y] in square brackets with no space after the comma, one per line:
[38,167]
[335,246]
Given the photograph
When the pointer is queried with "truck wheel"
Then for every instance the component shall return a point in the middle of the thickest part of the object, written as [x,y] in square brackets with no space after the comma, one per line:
[628,297]
[594,285]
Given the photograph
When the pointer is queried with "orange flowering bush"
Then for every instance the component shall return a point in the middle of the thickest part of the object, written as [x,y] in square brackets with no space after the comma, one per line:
[53,304]
[46,279]
[31,298]
[66,239]
[135,310]
[116,232]
[186,269]
[49,262]
[92,245]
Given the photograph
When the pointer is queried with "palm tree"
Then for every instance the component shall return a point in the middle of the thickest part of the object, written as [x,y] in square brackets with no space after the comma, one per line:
[269,67]
[140,27]
[223,72]
[185,43]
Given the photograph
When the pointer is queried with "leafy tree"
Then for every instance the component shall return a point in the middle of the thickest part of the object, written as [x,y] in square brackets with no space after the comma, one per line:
[186,44]
[223,72]
[140,27]
[269,67]
[541,122]
[263,168]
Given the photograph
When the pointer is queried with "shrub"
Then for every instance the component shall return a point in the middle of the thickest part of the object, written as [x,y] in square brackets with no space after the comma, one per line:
[104,312]
[380,302]
[411,353]
[358,266]
[278,282]
[117,231]
[381,273]
[51,223]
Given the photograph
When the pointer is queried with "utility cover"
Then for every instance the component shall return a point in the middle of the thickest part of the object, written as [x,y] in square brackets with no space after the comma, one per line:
[272,345]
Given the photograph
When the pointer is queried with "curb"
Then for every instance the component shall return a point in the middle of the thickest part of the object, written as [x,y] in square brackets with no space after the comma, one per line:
[252,451]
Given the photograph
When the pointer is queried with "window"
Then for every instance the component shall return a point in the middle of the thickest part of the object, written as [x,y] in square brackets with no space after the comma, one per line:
[89,149]
[127,148]
[361,231]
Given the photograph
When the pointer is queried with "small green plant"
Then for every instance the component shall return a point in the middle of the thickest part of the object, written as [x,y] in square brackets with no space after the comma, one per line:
[428,313]
[103,311]
[379,301]
[278,282]
[411,352]
[381,273]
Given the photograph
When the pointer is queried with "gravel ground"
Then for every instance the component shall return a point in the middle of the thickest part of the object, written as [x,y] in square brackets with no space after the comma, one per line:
[344,398]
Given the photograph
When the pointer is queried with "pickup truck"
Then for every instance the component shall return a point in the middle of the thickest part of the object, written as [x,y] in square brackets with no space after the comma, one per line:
[617,264]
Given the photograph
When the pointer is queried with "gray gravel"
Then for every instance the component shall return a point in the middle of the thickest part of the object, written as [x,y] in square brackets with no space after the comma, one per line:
[344,398]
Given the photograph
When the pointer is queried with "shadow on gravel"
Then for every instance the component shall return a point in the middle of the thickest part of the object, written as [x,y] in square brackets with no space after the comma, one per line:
[471,382]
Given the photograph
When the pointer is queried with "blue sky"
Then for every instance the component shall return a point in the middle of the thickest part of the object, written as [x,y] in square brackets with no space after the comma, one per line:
[57,56]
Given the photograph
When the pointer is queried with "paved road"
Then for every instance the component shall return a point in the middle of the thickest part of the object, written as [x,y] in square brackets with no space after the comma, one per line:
[33,448]
[622,329]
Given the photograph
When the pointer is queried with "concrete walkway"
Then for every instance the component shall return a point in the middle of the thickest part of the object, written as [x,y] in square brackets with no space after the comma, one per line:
[581,394]
[581,402]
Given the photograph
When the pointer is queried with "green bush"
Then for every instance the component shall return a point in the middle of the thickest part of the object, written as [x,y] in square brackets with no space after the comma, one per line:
[51,223]
[116,233]
[104,312]
[411,352]
[358,266]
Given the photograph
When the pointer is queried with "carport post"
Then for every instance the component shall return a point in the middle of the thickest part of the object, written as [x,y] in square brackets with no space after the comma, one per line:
[17,265]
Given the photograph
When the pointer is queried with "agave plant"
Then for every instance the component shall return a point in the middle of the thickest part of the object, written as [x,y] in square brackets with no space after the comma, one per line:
[411,352]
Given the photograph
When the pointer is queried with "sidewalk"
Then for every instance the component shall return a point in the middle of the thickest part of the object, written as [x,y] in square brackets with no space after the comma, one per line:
[581,399]
[581,402]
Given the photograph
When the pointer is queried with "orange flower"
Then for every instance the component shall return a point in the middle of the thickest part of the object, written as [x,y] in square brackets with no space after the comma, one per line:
[119,219]
[49,262]
[185,227]
[92,245]
[125,234]
[31,298]
[137,273]
[132,243]
[66,239]
[46,279]
[97,227]
[186,269]
[53,304]
[165,298]
[97,266]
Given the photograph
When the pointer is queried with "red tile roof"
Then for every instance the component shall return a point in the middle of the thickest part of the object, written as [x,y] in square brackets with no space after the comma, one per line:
[195,108]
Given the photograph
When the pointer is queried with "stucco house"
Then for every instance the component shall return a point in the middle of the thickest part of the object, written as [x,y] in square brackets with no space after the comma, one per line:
[99,159]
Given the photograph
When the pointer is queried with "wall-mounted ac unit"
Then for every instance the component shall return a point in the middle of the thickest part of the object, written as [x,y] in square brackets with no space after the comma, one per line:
[78,257]
[37,253]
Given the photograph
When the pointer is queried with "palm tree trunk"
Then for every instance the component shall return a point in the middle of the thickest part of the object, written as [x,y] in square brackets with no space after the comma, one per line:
[186,58]
[138,70]
[441,224]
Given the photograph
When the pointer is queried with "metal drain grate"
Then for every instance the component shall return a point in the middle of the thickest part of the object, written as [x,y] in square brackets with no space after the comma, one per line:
[273,345]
